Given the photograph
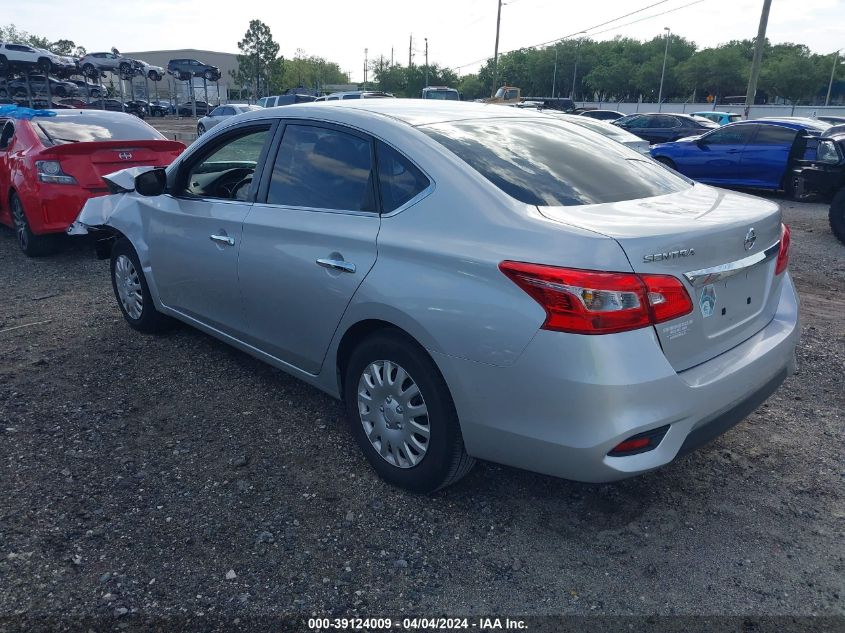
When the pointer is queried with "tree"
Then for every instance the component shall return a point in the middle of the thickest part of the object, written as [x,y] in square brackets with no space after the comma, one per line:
[259,57]
[11,33]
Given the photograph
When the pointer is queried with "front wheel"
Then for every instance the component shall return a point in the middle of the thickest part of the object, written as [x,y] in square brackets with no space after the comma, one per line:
[31,244]
[131,290]
[200,129]
[44,65]
[836,215]
[402,415]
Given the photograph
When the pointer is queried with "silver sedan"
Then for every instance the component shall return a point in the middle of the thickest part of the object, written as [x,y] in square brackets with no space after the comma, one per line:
[220,114]
[472,281]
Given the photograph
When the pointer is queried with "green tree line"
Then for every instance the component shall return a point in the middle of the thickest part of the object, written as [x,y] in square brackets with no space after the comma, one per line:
[626,69]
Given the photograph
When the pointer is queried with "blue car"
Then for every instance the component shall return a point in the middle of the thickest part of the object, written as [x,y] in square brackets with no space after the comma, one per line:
[757,154]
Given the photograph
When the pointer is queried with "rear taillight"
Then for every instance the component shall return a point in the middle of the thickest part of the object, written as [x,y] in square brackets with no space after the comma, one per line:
[783,253]
[50,171]
[594,302]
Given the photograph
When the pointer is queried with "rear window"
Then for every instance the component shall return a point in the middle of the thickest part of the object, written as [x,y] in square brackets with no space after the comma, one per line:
[554,164]
[89,127]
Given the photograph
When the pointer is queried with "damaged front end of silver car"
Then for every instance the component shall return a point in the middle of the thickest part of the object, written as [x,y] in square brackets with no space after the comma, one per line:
[110,216]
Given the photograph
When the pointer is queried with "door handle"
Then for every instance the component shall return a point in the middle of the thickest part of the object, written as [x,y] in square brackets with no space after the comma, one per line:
[337,264]
[222,239]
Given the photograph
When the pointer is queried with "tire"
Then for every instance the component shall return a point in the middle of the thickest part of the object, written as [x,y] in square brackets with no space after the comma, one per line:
[210,75]
[131,291]
[417,465]
[89,71]
[4,63]
[31,244]
[666,161]
[154,76]
[44,65]
[184,76]
[836,215]
[3,93]
[200,129]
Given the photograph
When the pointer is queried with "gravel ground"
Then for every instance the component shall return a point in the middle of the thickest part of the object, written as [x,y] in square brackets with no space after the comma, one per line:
[174,476]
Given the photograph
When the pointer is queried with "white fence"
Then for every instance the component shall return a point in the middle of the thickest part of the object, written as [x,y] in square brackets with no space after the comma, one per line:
[756,111]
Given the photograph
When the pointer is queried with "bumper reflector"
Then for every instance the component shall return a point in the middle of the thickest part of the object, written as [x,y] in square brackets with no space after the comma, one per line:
[639,443]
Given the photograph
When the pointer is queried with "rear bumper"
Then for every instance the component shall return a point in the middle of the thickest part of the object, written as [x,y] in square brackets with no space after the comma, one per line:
[54,207]
[569,399]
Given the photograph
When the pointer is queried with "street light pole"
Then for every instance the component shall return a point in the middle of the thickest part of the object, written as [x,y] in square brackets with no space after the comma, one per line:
[575,71]
[832,73]
[496,50]
[663,72]
[426,62]
[366,51]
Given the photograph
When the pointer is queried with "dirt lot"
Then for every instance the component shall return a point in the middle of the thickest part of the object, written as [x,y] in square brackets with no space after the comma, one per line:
[173,476]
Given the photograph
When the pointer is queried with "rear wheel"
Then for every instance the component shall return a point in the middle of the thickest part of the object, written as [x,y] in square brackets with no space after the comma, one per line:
[200,129]
[131,290]
[89,71]
[836,215]
[402,415]
[31,244]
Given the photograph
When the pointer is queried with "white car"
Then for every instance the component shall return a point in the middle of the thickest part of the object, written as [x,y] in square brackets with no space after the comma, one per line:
[153,73]
[94,64]
[607,129]
[21,55]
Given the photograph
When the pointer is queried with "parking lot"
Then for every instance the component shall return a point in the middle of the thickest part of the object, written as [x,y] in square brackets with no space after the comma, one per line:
[174,476]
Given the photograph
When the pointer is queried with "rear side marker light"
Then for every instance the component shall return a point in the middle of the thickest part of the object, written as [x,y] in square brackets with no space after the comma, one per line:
[595,302]
[639,443]
[783,253]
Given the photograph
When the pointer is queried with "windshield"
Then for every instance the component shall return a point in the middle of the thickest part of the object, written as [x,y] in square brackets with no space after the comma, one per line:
[551,163]
[445,95]
[92,127]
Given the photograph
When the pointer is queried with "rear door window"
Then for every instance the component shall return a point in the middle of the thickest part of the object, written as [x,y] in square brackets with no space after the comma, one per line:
[399,179]
[553,163]
[773,135]
[323,168]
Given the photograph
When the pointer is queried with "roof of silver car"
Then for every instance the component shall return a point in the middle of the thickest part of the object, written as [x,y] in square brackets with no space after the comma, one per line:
[412,111]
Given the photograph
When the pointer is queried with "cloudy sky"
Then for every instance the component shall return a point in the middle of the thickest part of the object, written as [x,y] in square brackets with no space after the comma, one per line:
[459,32]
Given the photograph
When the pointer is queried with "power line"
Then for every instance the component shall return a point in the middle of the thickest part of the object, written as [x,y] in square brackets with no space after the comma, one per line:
[618,26]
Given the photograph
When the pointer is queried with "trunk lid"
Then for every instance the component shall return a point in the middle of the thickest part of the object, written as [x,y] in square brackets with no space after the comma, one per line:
[88,162]
[703,237]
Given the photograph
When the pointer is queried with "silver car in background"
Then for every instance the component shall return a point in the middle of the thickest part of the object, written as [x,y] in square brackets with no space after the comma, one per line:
[220,114]
[605,128]
[473,281]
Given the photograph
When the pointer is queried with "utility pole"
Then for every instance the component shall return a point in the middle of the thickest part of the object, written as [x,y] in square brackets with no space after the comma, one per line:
[663,72]
[832,73]
[366,50]
[496,50]
[391,57]
[426,62]
[751,92]
[410,51]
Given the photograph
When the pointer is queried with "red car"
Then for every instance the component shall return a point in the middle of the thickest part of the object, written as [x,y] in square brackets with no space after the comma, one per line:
[49,167]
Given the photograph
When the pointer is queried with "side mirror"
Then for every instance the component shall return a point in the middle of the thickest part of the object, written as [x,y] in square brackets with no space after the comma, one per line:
[151,183]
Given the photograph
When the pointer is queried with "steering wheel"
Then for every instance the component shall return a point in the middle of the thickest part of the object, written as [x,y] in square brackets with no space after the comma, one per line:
[241,190]
[229,182]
